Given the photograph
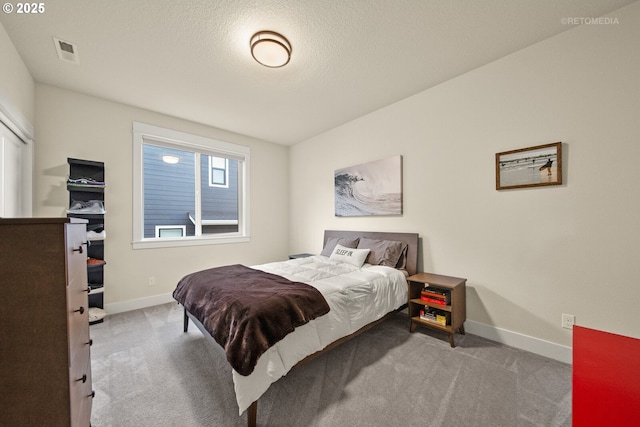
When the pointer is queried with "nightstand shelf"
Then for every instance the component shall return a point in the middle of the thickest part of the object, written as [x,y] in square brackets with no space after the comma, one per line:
[455,311]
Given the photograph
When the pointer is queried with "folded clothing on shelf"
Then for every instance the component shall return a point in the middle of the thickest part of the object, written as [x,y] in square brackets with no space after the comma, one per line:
[96,235]
[88,207]
[85,182]
[96,313]
[95,227]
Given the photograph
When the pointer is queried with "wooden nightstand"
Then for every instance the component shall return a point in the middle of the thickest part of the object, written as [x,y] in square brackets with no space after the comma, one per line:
[454,313]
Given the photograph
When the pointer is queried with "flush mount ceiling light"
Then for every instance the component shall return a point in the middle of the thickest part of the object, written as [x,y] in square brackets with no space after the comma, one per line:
[172,160]
[270,49]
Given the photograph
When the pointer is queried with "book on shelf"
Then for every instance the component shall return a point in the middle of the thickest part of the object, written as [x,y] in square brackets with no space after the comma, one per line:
[443,318]
[436,292]
[433,300]
[441,295]
[426,315]
[433,315]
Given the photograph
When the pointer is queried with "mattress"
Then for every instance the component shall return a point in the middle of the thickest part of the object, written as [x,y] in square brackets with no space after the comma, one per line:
[356,296]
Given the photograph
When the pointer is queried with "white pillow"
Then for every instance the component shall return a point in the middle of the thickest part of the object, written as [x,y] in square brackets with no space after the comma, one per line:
[349,255]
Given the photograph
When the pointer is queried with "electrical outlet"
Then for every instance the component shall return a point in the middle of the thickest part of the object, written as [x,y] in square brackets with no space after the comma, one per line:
[152,281]
[568,320]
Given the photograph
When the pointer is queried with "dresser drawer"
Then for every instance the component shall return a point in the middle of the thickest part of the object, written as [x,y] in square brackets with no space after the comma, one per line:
[81,393]
[79,344]
[76,243]
[78,324]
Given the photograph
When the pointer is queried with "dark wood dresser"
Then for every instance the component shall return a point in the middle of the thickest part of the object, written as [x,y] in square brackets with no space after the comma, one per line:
[45,364]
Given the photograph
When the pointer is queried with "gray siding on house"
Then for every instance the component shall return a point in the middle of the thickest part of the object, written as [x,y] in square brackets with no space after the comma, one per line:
[169,192]
[219,203]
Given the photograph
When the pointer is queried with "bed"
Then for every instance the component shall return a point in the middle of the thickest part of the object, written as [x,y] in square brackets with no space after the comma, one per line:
[357,296]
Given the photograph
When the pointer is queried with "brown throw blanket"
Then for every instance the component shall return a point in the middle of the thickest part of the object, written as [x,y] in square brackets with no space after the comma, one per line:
[246,310]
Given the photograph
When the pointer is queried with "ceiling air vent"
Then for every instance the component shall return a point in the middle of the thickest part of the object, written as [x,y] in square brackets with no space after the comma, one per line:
[66,51]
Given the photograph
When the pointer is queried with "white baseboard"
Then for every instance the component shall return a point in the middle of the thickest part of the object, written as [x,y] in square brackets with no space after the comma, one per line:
[135,304]
[514,339]
[523,342]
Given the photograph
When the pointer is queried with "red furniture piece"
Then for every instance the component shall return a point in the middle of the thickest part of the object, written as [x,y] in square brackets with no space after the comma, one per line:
[606,379]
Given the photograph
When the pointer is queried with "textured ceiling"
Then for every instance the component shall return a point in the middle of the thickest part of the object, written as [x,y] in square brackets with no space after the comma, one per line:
[190,59]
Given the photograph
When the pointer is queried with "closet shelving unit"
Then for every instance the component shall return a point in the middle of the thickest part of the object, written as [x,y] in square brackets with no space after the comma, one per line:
[86,185]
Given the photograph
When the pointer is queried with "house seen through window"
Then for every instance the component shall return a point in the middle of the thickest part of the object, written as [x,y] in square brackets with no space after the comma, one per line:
[190,188]
[218,171]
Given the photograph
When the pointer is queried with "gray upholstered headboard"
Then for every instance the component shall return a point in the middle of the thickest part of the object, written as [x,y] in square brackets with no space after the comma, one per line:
[410,238]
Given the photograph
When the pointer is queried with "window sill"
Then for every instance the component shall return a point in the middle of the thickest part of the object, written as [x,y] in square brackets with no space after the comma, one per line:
[166,242]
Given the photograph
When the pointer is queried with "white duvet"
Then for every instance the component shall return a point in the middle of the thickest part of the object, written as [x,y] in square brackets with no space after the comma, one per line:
[356,296]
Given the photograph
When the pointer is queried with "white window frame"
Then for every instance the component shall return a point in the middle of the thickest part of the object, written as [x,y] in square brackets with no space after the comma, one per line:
[184,141]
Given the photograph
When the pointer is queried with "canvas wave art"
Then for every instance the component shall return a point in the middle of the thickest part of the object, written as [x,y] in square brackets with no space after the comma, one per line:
[373,188]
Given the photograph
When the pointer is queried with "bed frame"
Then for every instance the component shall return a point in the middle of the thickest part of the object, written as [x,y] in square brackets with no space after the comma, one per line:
[412,266]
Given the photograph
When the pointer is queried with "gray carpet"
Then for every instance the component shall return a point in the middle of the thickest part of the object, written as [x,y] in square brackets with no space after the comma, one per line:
[147,372]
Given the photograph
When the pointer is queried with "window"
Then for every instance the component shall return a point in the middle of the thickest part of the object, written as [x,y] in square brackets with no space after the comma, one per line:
[188,190]
[218,171]
[170,230]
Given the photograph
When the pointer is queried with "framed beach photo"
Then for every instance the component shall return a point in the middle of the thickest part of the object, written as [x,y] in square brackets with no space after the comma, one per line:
[529,167]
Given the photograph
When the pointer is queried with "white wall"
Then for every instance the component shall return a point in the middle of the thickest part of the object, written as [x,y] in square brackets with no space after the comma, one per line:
[17,104]
[16,84]
[529,254]
[70,124]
